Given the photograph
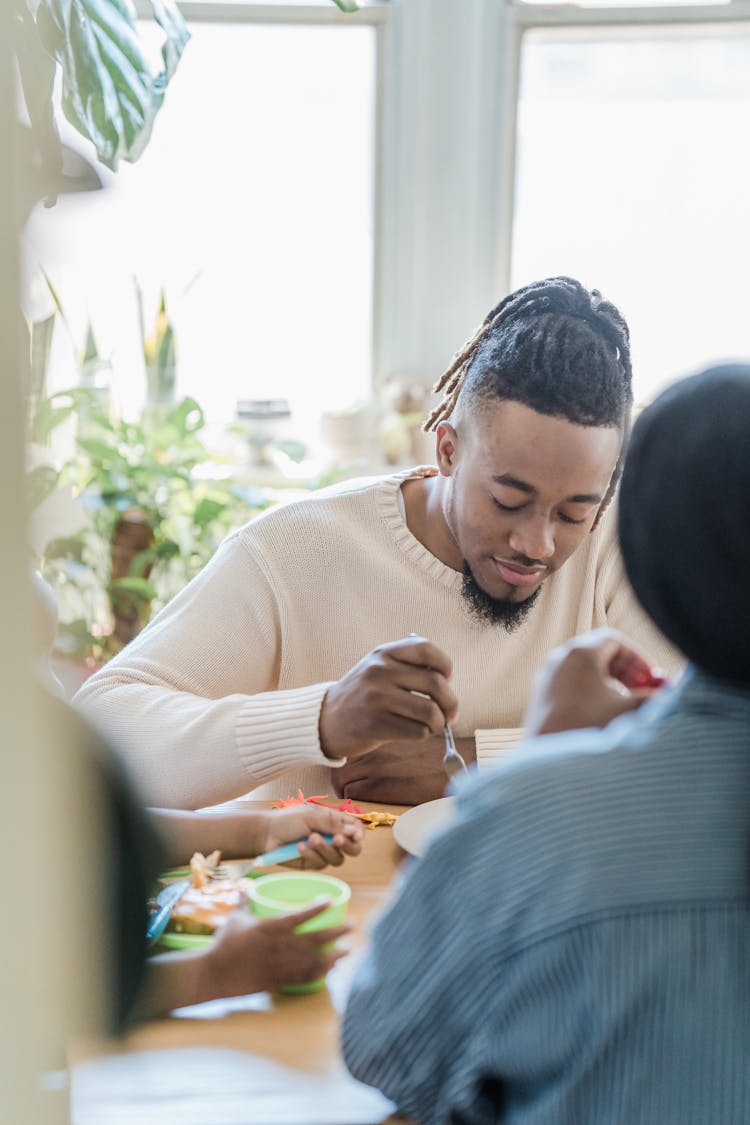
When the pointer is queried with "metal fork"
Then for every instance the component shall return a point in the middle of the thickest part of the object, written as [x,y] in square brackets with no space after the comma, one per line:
[453,763]
[238,870]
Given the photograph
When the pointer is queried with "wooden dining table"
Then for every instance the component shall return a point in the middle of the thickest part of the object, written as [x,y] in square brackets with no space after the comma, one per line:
[262,1059]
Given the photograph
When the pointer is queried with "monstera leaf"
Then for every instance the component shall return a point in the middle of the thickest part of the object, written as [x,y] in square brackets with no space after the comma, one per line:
[110,92]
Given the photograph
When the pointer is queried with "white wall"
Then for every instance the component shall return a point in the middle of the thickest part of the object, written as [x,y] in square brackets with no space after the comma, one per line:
[48,976]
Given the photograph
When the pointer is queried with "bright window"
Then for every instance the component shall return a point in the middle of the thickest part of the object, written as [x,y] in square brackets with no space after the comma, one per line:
[632,175]
[253,209]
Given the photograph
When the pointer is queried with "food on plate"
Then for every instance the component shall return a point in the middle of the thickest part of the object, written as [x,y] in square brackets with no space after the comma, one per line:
[202,910]
[206,904]
[203,868]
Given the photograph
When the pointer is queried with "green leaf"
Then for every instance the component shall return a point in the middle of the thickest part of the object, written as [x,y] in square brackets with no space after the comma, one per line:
[104,455]
[68,547]
[166,357]
[90,348]
[168,549]
[138,587]
[187,417]
[118,500]
[346,5]
[40,483]
[207,510]
[47,417]
[140,562]
[109,92]
[39,349]
[139,307]
[168,17]
[56,298]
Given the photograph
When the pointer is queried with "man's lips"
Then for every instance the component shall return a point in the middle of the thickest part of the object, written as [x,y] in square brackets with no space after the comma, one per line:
[517,575]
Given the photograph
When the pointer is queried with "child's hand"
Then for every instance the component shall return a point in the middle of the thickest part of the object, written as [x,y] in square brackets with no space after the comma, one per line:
[249,955]
[285,825]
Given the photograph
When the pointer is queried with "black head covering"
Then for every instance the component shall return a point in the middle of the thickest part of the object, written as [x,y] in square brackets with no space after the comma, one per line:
[685,517]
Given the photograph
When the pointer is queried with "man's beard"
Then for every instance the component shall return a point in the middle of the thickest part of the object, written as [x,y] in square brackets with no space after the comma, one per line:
[485,609]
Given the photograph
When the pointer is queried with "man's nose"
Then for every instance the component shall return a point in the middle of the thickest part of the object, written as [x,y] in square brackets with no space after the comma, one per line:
[534,538]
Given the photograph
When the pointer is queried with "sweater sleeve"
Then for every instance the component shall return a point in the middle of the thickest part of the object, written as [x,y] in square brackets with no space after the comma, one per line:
[192,701]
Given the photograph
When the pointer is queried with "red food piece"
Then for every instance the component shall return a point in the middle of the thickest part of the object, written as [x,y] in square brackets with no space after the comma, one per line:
[648,679]
[347,806]
[301,799]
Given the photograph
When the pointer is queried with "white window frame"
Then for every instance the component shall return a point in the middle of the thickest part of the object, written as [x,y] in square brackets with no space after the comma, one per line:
[447,76]
[446,255]
[374,14]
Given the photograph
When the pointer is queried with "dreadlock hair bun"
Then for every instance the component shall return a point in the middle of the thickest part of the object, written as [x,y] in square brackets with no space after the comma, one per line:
[553,346]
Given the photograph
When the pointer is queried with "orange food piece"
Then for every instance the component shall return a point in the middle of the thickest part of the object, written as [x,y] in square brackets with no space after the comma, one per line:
[300,799]
[375,817]
[371,819]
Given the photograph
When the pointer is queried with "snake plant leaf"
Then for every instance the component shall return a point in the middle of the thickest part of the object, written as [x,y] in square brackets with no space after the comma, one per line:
[110,93]
[90,352]
[346,5]
[40,342]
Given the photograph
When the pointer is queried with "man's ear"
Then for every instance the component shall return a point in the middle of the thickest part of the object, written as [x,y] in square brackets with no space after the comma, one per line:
[446,449]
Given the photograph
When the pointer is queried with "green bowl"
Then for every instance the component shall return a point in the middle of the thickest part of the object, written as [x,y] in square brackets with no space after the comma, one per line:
[171,940]
[290,892]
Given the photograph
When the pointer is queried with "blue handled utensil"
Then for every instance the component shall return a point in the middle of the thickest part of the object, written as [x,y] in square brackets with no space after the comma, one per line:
[278,855]
[166,901]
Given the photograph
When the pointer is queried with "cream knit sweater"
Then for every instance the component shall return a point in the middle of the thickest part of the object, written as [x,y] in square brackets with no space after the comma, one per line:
[221,693]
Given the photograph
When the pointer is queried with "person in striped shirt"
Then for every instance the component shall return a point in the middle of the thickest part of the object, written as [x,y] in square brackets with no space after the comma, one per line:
[574,948]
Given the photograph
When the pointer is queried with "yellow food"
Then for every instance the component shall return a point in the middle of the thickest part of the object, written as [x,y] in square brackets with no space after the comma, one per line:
[375,817]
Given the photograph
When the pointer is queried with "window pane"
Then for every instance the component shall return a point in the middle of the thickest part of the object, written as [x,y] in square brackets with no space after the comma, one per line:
[252,207]
[617,3]
[632,175]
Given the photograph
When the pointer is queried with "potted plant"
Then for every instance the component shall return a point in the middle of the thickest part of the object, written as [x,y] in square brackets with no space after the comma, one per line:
[152,502]
[156,508]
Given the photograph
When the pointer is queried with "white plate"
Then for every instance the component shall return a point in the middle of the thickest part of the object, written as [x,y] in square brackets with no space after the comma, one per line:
[414,828]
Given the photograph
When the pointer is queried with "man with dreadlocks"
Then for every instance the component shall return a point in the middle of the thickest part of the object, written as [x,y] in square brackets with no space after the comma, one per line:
[344,630]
